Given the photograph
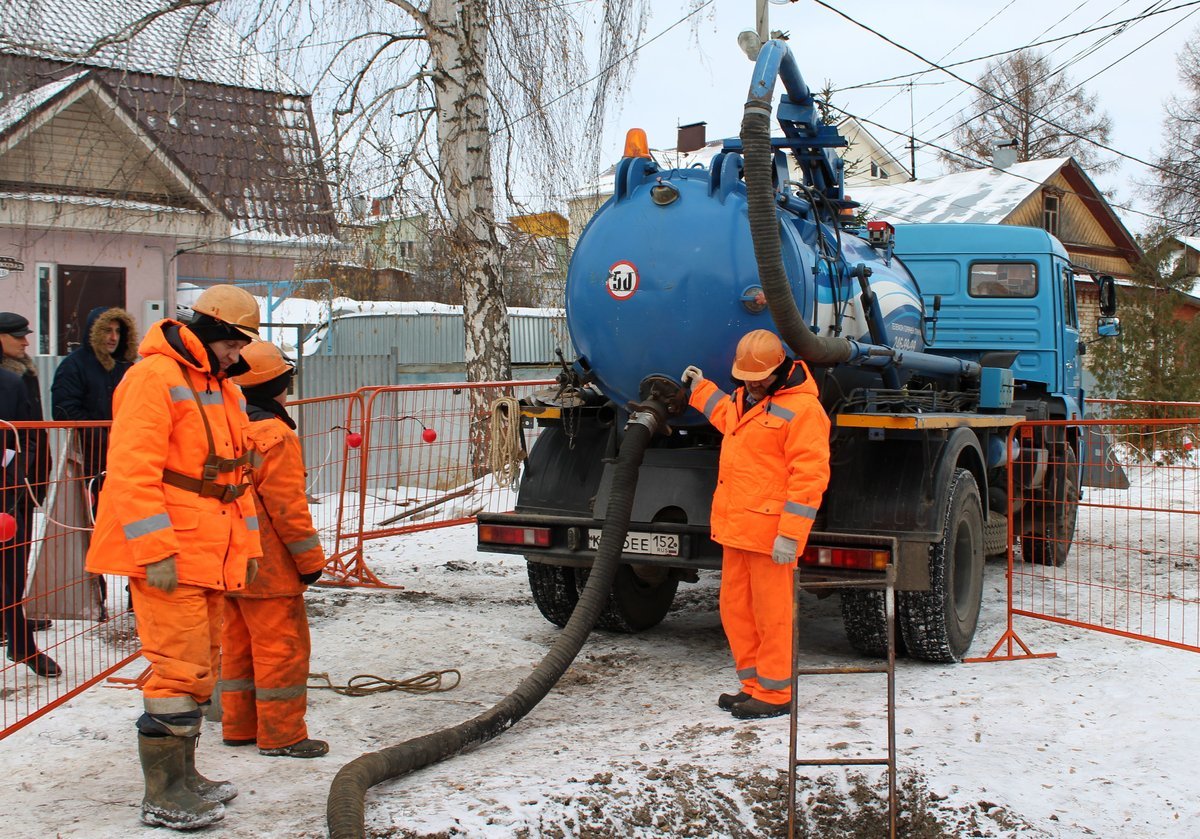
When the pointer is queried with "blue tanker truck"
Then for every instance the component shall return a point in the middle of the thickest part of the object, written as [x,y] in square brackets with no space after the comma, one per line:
[928,342]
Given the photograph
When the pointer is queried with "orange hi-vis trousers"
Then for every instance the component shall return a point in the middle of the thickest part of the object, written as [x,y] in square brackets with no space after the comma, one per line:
[264,670]
[181,638]
[756,612]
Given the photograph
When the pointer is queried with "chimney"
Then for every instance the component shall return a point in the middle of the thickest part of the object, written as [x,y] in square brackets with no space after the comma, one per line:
[1004,154]
[691,137]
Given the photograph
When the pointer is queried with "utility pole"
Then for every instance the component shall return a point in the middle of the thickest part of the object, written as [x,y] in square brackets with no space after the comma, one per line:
[912,136]
[761,26]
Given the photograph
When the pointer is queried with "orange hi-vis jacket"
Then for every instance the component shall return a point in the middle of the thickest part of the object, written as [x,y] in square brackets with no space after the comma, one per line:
[774,462]
[290,543]
[157,426]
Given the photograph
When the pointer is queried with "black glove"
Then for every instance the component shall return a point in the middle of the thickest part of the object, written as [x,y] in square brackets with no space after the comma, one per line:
[309,579]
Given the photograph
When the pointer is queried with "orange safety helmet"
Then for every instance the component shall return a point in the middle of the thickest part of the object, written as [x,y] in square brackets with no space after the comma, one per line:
[232,305]
[267,362]
[758,354]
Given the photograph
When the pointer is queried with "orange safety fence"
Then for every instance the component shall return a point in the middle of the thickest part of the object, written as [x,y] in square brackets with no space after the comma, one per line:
[435,455]
[64,629]
[1139,409]
[370,474]
[1121,555]
[330,429]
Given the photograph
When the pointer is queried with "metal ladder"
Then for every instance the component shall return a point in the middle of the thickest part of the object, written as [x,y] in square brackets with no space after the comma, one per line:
[886,583]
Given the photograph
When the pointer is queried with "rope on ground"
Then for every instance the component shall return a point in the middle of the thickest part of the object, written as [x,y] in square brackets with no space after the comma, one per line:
[365,684]
[506,454]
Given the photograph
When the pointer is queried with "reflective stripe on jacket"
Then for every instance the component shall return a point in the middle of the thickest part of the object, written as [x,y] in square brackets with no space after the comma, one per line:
[290,543]
[157,425]
[774,462]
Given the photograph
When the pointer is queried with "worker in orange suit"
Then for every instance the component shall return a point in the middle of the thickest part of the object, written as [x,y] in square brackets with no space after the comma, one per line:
[773,471]
[265,645]
[176,517]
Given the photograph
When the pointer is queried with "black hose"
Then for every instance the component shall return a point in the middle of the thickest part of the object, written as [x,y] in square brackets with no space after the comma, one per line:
[764,232]
[345,808]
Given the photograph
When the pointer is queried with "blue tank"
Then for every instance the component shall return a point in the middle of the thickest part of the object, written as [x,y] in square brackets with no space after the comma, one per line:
[665,276]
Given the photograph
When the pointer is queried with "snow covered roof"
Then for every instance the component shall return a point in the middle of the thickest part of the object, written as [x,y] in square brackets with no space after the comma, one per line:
[188,43]
[982,196]
[24,104]
[1192,242]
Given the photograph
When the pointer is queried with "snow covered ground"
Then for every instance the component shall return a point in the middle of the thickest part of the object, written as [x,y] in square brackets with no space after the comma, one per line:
[1100,741]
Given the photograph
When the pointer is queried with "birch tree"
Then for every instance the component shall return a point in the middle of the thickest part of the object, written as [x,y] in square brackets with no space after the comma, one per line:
[463,109]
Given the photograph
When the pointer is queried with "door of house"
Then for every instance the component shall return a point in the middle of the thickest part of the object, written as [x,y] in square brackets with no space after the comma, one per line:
[81,289]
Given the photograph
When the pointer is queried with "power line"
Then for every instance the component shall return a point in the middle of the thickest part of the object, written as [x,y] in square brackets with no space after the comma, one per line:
[985,165]
[1010,51]
[986,92]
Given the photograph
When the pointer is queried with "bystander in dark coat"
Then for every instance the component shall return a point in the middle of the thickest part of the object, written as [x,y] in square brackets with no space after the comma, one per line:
[22,485]
[86,379]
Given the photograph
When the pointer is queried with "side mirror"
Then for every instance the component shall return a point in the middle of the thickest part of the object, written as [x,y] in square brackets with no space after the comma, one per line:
[1108,327]
[1107,293]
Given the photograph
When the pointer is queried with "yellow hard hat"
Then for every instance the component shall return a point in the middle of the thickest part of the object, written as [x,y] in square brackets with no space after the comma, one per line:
[757,355]
[266,362]
[232,305]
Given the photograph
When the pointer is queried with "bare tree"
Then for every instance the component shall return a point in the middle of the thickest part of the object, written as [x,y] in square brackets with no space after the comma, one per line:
[466,110]
[1023,99]
[1176,190]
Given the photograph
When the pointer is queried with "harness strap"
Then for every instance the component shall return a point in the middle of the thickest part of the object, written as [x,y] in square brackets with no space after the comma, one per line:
[206,485]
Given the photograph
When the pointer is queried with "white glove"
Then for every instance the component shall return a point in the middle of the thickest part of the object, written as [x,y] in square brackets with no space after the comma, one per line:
[690,374]
[161,574]
[251,570]
[785,550]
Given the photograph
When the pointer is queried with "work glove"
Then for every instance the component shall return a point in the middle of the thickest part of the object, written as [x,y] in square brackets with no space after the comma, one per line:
[251,570]
[690,374]
[785,550]
[161,574]
[309,579]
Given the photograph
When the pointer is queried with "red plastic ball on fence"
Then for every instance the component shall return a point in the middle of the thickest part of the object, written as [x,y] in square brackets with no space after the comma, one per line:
[1187,445]
[8,527]
[354,439]
[428,435]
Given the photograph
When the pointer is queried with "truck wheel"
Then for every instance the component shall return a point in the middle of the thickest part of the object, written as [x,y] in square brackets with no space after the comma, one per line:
[640,598]
[865,623]
[1053,517]
[939,624]
[554,591]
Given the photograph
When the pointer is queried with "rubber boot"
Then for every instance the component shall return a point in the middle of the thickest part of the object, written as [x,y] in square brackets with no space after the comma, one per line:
[221,791]
[168,800]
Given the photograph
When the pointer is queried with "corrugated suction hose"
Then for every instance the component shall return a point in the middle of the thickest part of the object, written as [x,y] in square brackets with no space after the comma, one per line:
[345,808]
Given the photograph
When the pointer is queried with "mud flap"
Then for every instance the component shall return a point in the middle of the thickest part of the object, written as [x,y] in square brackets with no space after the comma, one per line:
[1100,467]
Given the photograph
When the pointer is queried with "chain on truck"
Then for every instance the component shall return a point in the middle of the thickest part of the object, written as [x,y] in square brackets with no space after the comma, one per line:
[928,341]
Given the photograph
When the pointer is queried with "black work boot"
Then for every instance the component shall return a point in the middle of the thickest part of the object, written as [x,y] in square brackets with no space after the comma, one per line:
[221,791]
[169,802]
[726,701]
[304,748]
[756,709]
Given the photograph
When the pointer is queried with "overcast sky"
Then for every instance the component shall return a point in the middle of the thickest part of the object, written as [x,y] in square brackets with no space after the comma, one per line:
[695,72]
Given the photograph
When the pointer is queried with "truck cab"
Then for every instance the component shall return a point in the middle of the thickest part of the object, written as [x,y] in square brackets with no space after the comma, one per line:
[998,291]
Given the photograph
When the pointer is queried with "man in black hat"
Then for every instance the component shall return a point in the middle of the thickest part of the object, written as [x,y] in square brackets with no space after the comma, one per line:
[22,487]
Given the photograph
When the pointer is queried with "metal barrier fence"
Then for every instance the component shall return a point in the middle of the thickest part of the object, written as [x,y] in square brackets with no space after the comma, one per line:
[370,473]
[435,455]
[1122,558]
[64,629]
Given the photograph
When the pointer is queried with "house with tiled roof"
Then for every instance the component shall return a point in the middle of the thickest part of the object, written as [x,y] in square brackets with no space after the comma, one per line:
[1054,194]
[134,158]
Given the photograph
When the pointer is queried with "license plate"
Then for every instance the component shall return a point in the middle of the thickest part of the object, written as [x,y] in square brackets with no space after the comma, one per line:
[654,544]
